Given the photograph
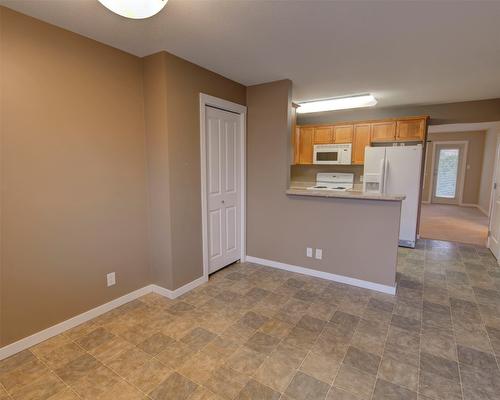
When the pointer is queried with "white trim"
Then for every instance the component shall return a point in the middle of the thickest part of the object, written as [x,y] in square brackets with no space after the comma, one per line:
[462,172]
[492,195]
[474,206]
[477,126]
[206,100]
[173,294]
[61,327]
[324,275]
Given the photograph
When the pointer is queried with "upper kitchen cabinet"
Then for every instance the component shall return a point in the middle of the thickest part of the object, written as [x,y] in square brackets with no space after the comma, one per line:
[343,133]
[305,146]
[411,129]
[384,131]
[361,139]
[323,135]
[359,133]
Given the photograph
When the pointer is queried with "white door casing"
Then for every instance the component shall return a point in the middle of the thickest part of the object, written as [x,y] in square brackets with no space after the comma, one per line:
[494,237]
[222,145]
[462,167]
[223,173]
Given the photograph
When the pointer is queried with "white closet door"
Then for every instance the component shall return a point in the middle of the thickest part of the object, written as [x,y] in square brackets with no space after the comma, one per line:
[223,135]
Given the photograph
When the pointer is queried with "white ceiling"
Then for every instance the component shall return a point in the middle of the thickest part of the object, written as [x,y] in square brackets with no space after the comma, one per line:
[404,52]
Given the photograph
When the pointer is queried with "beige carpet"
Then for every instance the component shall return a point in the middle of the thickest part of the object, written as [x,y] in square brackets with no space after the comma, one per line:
[453,223]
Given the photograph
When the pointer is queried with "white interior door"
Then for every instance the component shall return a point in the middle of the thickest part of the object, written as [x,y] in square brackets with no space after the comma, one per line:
[448,173]
[223,135]
[494,238]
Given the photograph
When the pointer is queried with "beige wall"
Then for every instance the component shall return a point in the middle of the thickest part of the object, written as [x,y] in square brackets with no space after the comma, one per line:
[449,113]
[101,172]
[474,162]
[184,83]
[160,235]
[358,237]
[73,198]
[174,167]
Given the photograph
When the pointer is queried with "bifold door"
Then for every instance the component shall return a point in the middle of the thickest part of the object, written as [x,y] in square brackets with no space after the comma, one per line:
[223,135]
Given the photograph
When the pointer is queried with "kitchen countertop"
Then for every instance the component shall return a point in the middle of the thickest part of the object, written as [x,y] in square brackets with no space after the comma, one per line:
[300,189]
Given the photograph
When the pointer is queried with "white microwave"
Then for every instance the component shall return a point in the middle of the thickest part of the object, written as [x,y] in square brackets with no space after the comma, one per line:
[332,153]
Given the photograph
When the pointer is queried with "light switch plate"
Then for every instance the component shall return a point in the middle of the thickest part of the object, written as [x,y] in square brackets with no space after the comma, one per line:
[111,279]
[319,254]
[309,252]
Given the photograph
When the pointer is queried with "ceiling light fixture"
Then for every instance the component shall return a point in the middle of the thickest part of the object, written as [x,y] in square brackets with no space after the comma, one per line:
[337,103]
[135,9]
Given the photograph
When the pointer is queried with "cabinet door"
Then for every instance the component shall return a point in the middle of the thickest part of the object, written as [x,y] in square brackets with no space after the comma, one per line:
[383,131]
[411,129]
[306,145]
[361,139]
[343,133]
[323,135]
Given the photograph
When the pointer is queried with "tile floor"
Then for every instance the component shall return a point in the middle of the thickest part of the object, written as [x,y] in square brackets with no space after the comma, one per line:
[253,332]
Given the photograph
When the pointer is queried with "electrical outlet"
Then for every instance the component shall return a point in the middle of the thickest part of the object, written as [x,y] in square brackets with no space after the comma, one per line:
[319,254]
[111,279]
[309,252]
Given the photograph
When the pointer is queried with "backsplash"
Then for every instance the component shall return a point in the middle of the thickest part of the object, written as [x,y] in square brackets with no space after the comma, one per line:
[307,173]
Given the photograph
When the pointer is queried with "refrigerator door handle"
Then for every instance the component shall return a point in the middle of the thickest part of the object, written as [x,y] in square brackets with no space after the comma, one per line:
[381,175]
[386,173]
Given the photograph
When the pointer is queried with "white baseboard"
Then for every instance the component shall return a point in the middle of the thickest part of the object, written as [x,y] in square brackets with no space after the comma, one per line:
[475,206]
[61,327]
[172,294]
[483,211]
[324,275]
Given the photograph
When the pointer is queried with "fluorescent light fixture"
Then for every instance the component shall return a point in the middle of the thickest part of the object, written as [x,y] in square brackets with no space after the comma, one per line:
[337,103]
[135,9]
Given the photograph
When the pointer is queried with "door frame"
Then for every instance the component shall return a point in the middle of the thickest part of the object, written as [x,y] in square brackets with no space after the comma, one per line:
[496,165]
[462,171]
[224,105]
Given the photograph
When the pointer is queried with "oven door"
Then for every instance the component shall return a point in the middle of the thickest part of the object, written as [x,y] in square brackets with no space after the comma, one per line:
[327,156]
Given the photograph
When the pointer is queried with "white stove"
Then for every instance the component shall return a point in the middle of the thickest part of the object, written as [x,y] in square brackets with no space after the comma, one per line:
[333,181]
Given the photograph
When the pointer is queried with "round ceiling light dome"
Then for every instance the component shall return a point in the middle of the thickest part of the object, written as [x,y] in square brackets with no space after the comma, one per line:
[135,9]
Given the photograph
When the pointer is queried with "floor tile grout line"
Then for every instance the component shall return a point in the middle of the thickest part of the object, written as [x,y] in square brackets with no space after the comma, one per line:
[483,325]
[343,359]
[111,369]
[382,356]
[441,269]
[55,374]
[5,389]
[453,328]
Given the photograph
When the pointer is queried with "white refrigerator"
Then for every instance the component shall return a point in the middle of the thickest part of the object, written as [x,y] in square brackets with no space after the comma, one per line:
[397,170]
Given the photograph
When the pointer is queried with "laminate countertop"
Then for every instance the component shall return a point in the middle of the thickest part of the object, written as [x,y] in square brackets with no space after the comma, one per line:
[300,189]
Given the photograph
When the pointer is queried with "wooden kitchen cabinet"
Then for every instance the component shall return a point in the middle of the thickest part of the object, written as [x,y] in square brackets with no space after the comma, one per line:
[361,139]
[343,133]
[383,131]
[323,135]
[411,129]
[359,133]
[305,146]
